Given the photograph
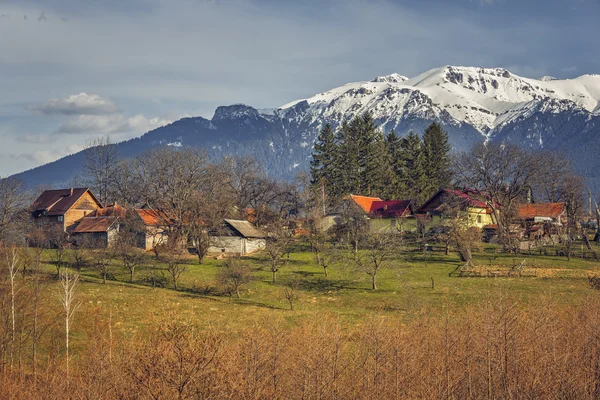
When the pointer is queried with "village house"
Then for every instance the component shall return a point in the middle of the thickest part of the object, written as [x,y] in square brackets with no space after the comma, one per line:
[541,219]
[100,228]
[156,225]
[478,213]
[237,238]
[386,215]
[64,208]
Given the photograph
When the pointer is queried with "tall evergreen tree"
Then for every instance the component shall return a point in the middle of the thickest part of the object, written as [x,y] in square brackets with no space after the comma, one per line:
[376,174]
[393,142]
[437,158]
[414,157]
[323,167]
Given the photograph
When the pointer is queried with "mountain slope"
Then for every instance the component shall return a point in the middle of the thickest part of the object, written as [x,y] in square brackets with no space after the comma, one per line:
[473,104]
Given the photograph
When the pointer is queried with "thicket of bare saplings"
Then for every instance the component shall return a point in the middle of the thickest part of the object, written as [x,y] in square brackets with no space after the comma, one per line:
[491,350]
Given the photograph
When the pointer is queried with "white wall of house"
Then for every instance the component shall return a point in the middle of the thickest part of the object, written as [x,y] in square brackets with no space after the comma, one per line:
[236,245]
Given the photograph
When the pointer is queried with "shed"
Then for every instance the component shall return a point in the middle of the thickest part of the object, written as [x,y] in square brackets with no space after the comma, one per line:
[237,237]
[96,231]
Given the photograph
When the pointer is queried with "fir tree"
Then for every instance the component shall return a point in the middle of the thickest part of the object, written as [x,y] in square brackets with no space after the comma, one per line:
[437,159]
[323,164]
[414,158]
[397,162]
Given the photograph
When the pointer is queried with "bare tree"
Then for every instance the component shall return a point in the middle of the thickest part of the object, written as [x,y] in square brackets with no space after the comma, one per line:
[500,175]
[125,247]
[58,241]
[376,252]
[68,281]
[353,227]
[100,166]
[175,263]
[277,245]
[13,264]
[12,202]
[547,185]
[572,192]
[103,261]
[234,275]
[290,293]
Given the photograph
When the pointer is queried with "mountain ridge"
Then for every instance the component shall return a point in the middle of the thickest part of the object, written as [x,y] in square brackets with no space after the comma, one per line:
[472,103]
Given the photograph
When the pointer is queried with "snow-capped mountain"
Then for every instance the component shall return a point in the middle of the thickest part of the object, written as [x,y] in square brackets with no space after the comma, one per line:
[472,103]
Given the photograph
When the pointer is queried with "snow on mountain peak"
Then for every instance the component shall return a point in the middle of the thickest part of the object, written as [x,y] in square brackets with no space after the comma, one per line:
[480,97]
[392,78]
[547,78]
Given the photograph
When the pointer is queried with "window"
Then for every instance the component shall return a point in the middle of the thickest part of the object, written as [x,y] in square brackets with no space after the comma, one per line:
[393,222]
[479,219]
[61,218]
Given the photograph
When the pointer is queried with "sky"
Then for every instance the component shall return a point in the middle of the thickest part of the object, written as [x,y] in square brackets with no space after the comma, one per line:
[75,70]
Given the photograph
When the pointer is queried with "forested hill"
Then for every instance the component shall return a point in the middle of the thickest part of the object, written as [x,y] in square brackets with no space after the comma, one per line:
[471,104]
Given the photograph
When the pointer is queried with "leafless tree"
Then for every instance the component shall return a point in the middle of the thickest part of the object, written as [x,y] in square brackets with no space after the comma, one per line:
[102,261]
[68,281]
[458,228]
[375,253]
[175,263]
[58,241]
[13,200]
[572,191]
[500,175]
[547,185]
[290,293]
[353,226]
[234,275]
[126,247]
[277,245]
[13,265]
[101,166]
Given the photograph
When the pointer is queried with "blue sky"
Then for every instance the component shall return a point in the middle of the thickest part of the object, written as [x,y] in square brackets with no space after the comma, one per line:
[73,70]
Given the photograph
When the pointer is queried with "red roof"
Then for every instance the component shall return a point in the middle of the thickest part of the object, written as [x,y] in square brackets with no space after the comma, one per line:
[548,210]
[468,196]
[382,208]
[94,224]
[153,217]
[364,202]
[113,210]
[391,208]
[58,202]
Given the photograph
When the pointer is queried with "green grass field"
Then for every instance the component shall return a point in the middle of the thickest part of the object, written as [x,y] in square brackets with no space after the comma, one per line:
[404,287]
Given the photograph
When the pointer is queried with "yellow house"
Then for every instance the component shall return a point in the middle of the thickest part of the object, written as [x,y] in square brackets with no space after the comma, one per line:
[479,214]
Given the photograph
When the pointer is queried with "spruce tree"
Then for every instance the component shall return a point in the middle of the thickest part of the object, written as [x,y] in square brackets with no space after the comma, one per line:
[437,158]
[414,158]
[323,167]
[397,162]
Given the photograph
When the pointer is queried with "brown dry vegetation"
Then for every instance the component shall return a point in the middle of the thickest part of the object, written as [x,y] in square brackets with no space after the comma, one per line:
[494,349]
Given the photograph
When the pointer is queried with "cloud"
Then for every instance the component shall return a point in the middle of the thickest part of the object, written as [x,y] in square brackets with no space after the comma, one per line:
[77,104]
[110,124]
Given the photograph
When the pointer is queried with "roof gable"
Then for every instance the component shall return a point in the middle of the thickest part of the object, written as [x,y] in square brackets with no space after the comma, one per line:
[364,202]
[549,210]
[94,224]
[58,202]
[245,228]
[391,208]
[153,217]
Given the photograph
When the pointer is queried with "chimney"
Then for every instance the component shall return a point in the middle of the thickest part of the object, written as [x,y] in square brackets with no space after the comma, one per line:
[71,194]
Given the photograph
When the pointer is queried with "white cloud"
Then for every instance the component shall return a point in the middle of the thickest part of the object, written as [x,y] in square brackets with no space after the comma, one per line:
[78,104]
[111,124]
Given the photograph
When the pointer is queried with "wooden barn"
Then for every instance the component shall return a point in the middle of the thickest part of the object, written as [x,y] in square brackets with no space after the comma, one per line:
[64,208]
[237,238]
[156,226]
[100,228]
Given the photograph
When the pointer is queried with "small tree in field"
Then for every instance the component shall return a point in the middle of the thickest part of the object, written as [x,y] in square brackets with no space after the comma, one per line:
[277,245]
[59,243]
[290,293]
[103,262]
[234,275]
[175,263]
[125,250]
[68,281]
[377,250]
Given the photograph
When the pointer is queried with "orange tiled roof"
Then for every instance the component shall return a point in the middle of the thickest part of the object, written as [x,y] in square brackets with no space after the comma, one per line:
[94,224]
[153,217]
[113,210]
[549,210]
[364,202]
